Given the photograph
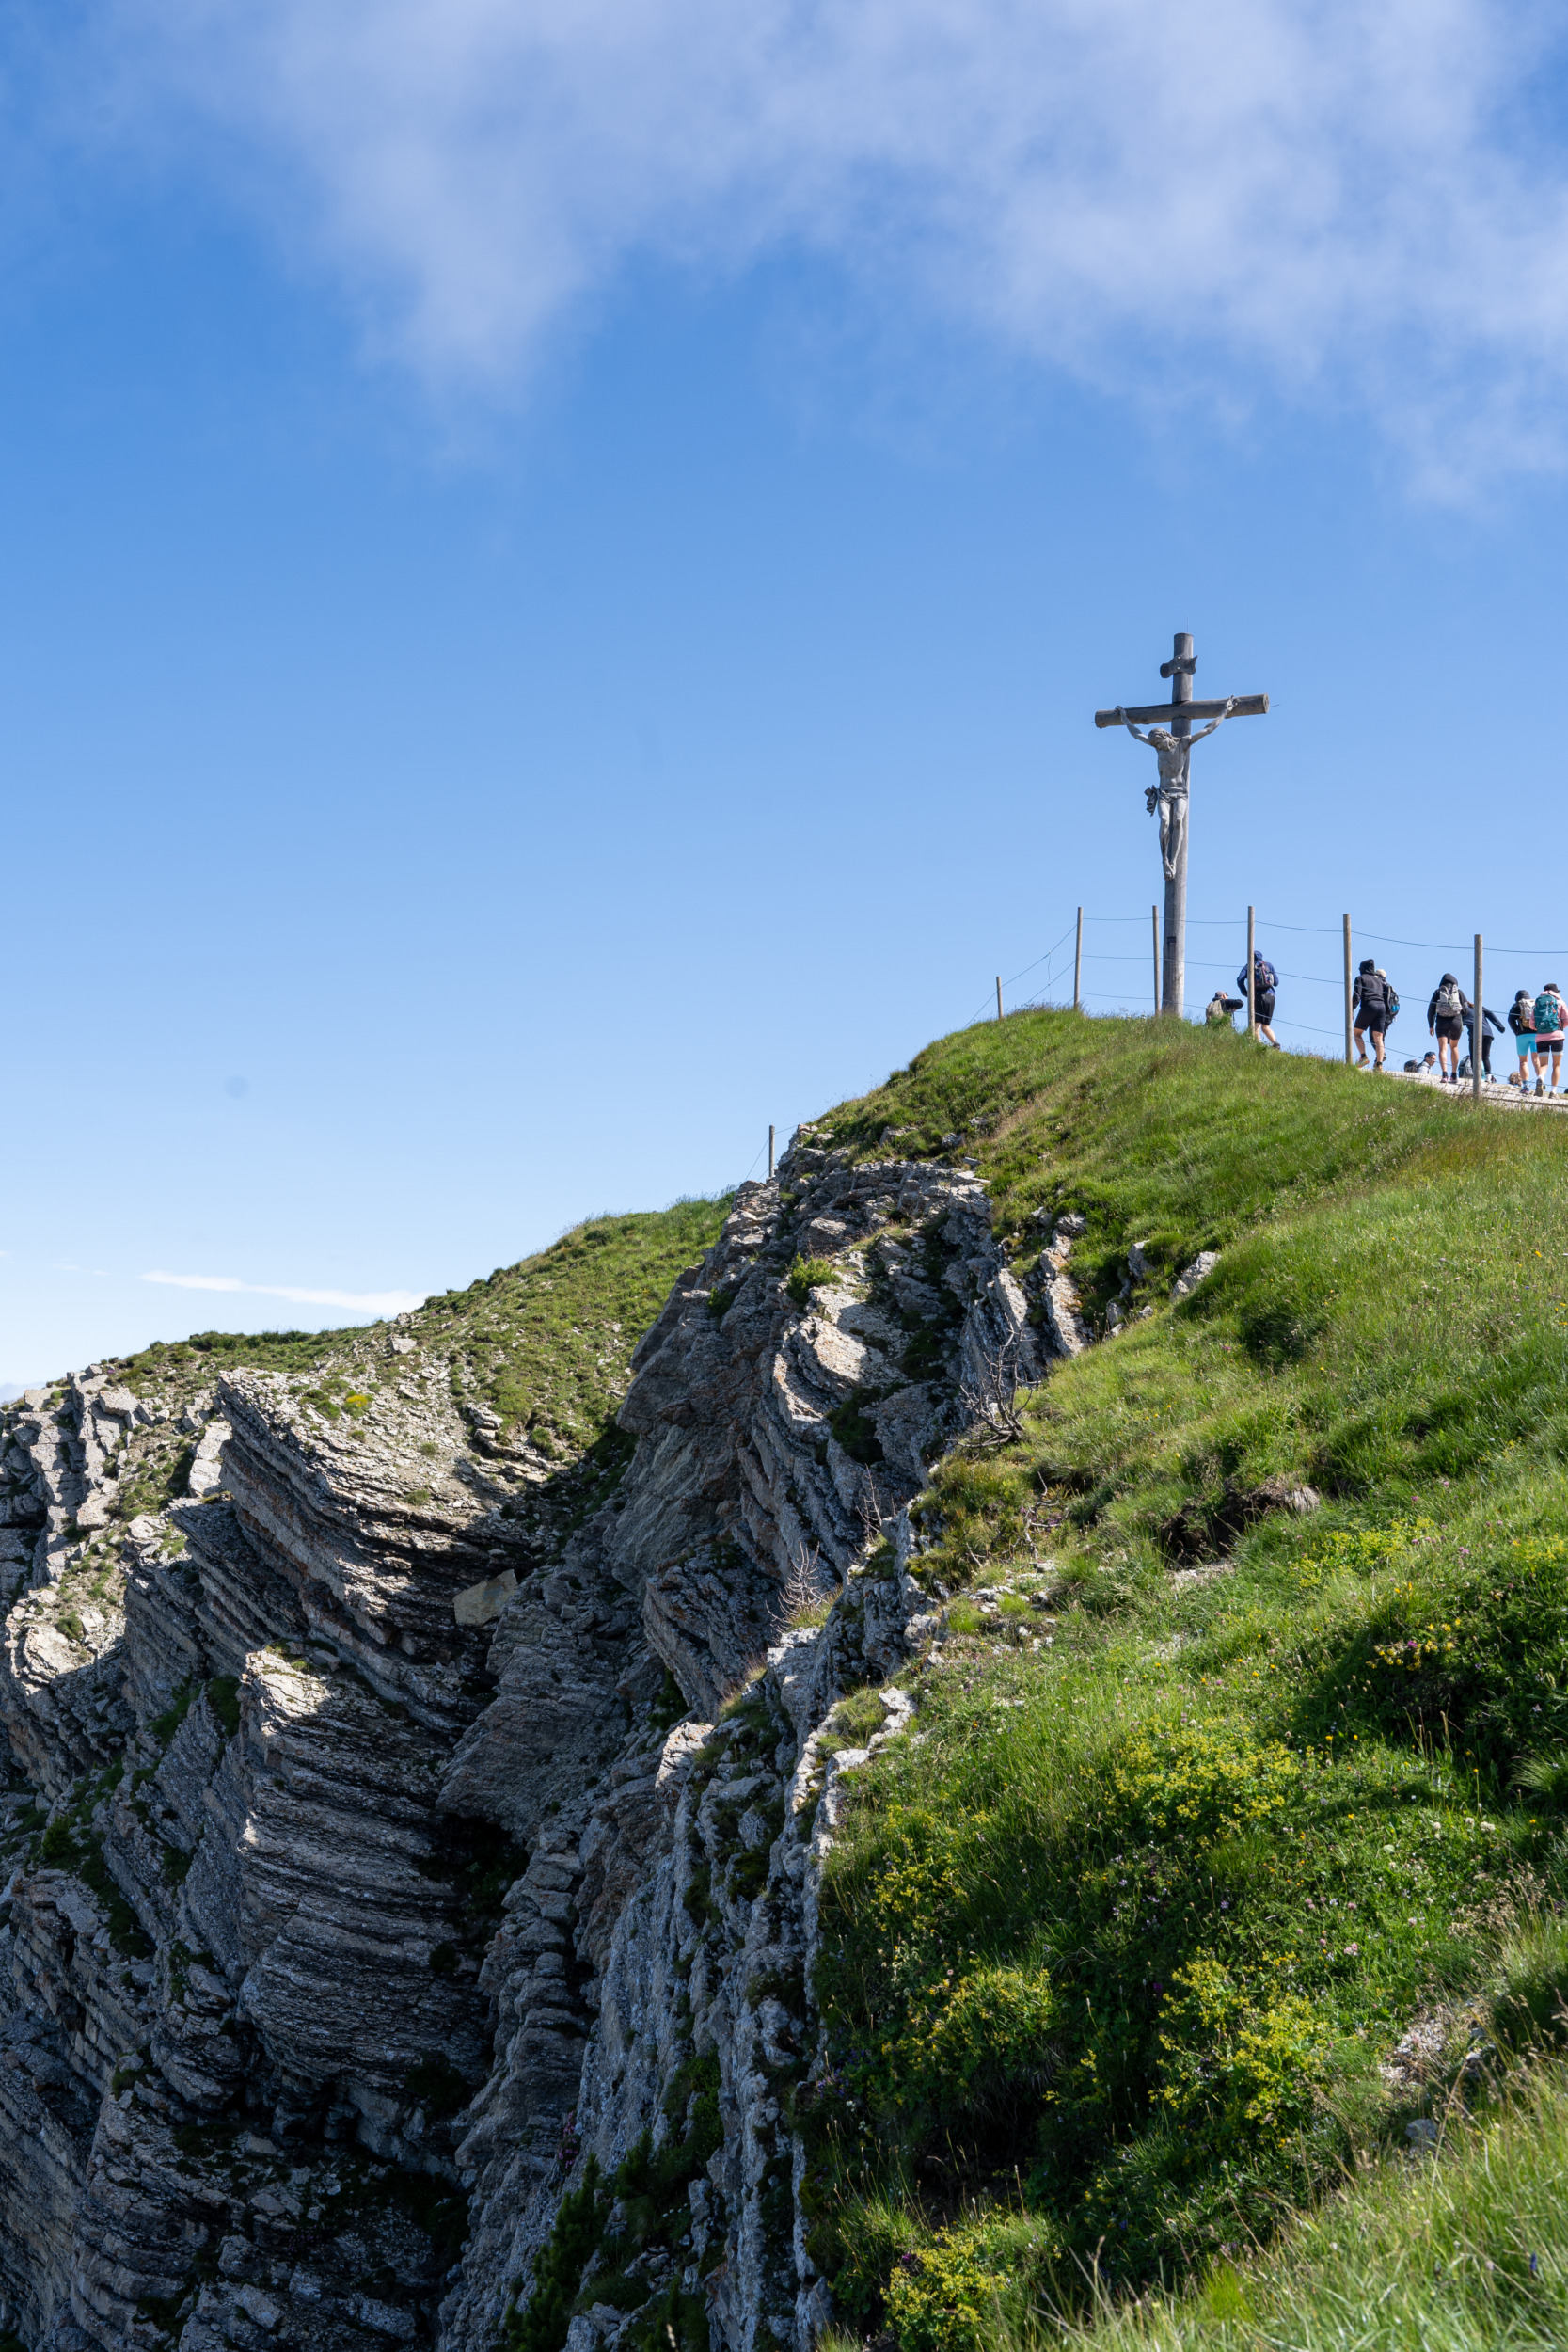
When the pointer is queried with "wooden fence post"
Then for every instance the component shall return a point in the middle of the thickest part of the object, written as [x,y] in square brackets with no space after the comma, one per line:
[1078,967]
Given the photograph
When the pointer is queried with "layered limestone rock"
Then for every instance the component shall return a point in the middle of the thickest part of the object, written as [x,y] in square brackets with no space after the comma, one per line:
[786,1404]
[397,1834]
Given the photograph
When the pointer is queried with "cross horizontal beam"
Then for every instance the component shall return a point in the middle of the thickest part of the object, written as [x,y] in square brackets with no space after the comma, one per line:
[1157,714]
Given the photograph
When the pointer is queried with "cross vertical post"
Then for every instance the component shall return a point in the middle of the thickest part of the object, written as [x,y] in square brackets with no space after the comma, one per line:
[1251,972]
[1078,967]
[1478,1030]
[1348,1024]
[1179,669]
[1172,740]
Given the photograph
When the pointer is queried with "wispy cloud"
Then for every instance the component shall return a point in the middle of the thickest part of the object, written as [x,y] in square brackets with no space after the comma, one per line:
[361,1302]
[1346,203]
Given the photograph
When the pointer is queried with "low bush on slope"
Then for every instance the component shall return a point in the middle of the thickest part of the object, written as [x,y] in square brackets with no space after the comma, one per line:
[1118,1954]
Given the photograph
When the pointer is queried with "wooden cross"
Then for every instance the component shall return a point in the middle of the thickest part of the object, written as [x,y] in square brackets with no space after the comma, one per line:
[1174,721]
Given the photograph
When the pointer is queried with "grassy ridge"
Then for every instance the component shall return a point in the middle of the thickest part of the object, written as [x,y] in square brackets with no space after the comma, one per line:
[1117,1956]
[547,1344]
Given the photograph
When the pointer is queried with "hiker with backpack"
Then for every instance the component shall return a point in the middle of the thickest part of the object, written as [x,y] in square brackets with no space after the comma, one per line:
[1521,1020]
[1551,1016]
[1266,980]
[1370,1002]
[1446,1021]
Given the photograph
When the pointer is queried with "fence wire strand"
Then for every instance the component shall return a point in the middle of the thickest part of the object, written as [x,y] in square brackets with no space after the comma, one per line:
[1237,925]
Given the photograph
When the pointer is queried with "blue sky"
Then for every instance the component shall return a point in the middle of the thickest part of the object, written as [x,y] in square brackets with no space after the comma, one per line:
[556,567]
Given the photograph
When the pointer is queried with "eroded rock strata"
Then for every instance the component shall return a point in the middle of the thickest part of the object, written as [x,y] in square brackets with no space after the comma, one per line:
[383,1867]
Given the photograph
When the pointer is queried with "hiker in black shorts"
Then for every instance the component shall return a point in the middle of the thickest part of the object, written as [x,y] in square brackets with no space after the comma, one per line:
[1521,1020]
[1265,982]
[1370,1002]
[1445,1012]
[1551,1019]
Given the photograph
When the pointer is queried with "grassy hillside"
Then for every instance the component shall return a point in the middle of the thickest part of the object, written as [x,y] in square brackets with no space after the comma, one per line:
[1208,1814]
[546,1342]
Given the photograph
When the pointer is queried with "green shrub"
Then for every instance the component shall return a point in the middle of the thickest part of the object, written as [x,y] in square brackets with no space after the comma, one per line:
[806,1275]
[542,2323]
[164,1726]
[223,1697]
[1251,2067]
[942,2298]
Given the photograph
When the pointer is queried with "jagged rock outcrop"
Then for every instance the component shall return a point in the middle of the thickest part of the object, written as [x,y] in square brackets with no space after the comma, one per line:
[380,1852]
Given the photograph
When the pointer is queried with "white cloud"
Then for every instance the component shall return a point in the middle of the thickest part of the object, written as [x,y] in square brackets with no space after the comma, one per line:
[1344,200]
[363,1303]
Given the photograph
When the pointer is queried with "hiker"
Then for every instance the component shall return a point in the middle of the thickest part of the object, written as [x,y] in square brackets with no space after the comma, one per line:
[1490,1026]
[1521,1020]
[1551,1015]
[1445,1019]
[1266,980]
[1217,1012]
[1370,1002]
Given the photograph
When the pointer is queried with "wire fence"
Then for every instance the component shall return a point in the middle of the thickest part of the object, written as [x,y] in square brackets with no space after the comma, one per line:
[1321,1015]
[1299,1021]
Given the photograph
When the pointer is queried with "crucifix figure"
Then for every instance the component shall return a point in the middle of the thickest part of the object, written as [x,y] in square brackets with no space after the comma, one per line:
[1172,744]
[1174,752]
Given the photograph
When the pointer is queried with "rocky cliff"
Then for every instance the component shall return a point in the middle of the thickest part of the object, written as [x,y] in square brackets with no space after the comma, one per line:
[412,1831]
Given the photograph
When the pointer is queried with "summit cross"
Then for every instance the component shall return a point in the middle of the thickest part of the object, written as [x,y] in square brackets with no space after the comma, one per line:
[1171,739]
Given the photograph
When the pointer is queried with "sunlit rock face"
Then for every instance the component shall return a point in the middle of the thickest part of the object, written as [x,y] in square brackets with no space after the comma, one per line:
[373,1864]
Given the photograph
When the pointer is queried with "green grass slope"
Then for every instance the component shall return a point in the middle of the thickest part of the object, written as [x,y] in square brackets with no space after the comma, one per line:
[1118,1954]
[546,1344]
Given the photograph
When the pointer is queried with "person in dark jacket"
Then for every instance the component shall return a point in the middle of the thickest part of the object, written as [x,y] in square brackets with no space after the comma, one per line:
[1446,1011]
[1265,982]
[1369,1003]
[1490,1026]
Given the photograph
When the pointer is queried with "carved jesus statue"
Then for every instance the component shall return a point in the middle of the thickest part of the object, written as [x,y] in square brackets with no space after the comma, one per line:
[1169,795]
